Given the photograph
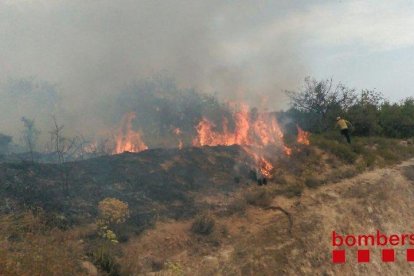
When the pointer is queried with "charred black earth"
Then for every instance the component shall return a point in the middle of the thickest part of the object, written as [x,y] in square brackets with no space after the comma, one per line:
[156,182]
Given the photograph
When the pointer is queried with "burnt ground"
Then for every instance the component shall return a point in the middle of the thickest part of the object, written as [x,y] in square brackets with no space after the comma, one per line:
[166,188]
[156,182]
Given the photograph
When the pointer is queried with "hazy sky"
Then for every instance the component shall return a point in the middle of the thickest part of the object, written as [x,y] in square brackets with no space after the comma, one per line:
[244,50]
[216,45]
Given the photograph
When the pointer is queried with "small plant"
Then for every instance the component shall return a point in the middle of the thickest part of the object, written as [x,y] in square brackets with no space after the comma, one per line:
[174,268]
[109,235]
[203,224]
[112,211]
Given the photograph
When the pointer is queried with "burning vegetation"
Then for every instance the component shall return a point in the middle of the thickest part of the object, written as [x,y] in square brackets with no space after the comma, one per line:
[128,139]
[303,136]
[258,133]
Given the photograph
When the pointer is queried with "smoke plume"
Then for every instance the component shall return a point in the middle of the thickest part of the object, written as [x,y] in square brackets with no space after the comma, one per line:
[76,57]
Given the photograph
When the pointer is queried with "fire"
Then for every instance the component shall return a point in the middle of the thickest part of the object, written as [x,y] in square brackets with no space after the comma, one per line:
[260,136]
[250,133]
[264,166]
[303,136]
[128,139]
[260,132]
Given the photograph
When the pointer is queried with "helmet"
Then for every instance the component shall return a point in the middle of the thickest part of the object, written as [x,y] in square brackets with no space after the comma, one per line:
[338,118]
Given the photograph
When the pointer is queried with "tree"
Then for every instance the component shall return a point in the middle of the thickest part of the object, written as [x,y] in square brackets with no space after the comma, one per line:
[62,147]
[319,102]
[364,114]
[29,136]
[397,120]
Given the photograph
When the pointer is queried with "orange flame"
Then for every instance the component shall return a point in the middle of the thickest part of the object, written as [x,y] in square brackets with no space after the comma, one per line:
[264,166]
[263,131]
[303,136]
[257,133]
[128,139]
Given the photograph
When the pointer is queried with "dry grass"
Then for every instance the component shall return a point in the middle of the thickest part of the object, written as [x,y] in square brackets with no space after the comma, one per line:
[258,197]
[237,206]
[313,182]
[28,248]
[203,224]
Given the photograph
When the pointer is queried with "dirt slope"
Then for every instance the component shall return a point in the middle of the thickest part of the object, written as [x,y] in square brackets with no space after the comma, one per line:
[381,199]
[258,243]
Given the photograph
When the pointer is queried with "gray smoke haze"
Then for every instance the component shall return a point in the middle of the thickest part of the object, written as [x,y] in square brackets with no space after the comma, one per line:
[88,51]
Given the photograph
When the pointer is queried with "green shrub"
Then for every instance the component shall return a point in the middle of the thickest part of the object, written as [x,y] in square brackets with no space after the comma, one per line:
[203,224]
[341,150]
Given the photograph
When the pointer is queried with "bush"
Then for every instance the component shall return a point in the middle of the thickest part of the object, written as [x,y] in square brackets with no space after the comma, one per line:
[343,151]
[203,224]
[112,212]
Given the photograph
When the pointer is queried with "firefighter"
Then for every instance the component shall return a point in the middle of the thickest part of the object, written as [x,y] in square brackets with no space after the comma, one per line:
[343,125]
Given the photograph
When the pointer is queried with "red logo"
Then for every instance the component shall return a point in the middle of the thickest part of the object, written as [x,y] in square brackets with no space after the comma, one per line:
[374,240]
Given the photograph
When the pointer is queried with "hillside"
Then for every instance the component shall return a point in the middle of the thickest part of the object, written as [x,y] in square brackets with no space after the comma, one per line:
[258,243]
[200,211]
[154,182]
